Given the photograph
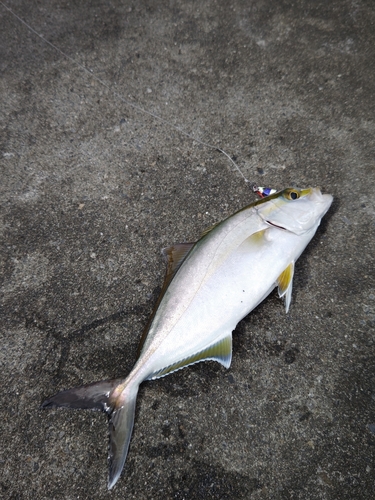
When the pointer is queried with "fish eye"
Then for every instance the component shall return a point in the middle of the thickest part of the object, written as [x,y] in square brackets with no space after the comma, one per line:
[292,194]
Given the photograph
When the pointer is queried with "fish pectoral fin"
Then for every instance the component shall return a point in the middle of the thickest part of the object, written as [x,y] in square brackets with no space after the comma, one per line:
[285,284]
[219,351]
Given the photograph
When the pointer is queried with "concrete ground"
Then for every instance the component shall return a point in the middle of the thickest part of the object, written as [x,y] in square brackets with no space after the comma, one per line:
[91,189]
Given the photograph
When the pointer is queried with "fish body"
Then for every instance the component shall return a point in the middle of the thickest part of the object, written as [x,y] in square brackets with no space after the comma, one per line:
[209,287]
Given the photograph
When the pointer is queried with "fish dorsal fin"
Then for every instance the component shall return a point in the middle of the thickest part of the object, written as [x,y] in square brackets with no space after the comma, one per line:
[219,351]
[175,255]
[285,284]
[209,229]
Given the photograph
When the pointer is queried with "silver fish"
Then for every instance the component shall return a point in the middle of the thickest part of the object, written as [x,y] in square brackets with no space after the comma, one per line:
[209,287]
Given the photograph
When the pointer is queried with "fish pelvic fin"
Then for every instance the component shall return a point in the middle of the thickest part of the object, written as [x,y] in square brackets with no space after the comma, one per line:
[117,399]
[285,284]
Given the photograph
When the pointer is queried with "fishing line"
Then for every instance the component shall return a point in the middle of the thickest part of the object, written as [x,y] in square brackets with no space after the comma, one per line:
[138,108]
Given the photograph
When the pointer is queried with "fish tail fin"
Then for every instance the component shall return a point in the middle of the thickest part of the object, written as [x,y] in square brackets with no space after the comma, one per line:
[117,399]
[94,396]
[120,432]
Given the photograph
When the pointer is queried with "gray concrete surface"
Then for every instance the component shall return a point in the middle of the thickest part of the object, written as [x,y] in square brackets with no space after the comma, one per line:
[91,190]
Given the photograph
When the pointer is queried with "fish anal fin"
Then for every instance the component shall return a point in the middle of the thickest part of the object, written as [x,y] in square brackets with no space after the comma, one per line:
[220,351]
[285,284]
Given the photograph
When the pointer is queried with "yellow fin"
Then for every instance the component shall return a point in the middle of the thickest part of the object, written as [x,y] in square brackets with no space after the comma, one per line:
[220,351]
[285,284]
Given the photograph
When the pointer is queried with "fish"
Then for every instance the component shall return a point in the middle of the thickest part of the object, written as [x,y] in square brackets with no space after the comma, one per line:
[209,286]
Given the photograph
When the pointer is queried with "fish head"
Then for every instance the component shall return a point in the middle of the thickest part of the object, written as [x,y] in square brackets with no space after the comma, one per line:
[295,210]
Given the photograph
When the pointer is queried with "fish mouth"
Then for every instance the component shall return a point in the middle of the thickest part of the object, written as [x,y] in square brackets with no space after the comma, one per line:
[325,200]
[275,225]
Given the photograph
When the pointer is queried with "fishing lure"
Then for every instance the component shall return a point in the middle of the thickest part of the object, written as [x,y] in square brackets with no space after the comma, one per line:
[262,192]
